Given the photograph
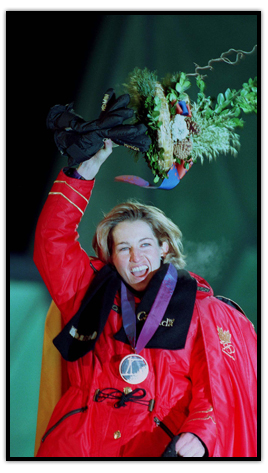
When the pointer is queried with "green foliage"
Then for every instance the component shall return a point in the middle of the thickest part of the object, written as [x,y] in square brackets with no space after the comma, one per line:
[247,100]
[215,138]
[154,107]
[217,120]
[141,88]
[182,85]
[175,87]
[141,82]
[153,156]
[232,102]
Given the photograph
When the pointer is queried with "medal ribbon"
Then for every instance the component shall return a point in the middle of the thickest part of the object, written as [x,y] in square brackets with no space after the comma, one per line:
[155,315]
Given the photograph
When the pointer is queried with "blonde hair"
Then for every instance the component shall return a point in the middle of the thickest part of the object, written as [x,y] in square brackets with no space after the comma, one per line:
[163,228]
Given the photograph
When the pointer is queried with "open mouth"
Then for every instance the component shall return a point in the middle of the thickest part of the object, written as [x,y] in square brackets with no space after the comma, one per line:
[139,271]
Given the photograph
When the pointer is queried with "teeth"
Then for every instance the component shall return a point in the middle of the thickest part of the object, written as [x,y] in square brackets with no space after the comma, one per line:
[139,268]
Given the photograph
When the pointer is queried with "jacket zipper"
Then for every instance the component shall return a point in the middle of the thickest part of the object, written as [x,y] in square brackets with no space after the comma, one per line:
[75,411]
[164,427]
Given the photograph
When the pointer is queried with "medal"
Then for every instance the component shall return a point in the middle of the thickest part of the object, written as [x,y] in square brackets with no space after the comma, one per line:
[133,369]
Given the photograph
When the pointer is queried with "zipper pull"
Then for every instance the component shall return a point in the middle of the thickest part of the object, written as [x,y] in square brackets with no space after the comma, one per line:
[157,421]
[161,424]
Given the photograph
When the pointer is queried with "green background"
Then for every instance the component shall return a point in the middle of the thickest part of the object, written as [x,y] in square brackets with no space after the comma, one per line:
[215,205]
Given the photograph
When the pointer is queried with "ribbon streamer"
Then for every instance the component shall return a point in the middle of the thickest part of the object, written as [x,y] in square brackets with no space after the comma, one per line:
[175,174]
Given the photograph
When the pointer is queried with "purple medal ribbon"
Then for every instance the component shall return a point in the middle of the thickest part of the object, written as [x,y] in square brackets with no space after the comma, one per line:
[155,315]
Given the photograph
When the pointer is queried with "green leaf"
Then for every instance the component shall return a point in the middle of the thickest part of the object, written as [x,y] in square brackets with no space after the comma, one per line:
[182,77]
[183,96]
[247,108]
[208,113]
[186,85]
[172,96]
[220,99]
[156,179]
[225,112]
[236,122]
[200,84]
[237,112]
[179,88]
[228,94]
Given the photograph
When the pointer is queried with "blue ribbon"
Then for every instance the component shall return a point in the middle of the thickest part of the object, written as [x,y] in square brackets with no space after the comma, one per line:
[185,110]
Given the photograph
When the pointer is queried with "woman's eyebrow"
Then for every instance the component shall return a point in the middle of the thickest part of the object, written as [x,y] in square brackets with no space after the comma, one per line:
[122,243]
[127,243]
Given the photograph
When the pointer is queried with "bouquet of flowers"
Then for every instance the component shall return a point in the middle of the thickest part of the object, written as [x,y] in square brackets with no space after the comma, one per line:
[183,130]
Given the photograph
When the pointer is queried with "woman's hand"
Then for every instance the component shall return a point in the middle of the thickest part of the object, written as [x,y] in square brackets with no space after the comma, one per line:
[189,445]
[89,169]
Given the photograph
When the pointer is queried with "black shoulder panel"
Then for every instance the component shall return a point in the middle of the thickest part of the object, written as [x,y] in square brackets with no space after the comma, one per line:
[93,267]
[231,303]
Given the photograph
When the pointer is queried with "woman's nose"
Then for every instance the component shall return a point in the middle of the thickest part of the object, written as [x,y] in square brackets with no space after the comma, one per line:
[135,254]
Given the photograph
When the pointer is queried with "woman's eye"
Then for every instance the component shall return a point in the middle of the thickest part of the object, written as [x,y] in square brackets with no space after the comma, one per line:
[124,248]
[146,244]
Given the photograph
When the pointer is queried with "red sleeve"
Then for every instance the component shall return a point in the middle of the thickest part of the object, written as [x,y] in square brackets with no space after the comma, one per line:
[200,420]
[62,263]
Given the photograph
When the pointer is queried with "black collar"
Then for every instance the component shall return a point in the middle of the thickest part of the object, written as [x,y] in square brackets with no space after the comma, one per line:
[80,335]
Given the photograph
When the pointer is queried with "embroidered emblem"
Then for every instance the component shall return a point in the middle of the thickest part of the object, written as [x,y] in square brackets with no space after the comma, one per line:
[225,340]
[225,337]
[82,338]
[132,147]
[104,102]
[142,315]
[165,323]
[203,418]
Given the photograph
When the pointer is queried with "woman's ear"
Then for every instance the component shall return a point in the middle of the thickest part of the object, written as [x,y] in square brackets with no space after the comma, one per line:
[164,249]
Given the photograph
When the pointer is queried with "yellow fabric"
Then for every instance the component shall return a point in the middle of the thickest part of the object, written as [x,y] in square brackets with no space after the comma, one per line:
[51,385]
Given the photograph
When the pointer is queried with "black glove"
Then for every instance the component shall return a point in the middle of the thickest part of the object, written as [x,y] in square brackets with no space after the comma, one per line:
[114,112]
[170,451]
[80,140]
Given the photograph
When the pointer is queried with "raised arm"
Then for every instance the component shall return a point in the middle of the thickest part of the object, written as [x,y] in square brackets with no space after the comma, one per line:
[62,263]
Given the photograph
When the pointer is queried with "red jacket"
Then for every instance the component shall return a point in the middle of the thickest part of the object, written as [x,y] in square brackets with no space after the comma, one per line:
[208,388]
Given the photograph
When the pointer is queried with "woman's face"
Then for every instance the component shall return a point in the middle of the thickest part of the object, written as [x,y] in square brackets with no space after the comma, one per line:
[136,253]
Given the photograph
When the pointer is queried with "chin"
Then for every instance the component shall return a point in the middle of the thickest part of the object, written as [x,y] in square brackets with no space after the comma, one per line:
[142,285]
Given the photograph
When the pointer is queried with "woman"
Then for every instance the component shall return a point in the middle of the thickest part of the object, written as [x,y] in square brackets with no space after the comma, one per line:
[151,354]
